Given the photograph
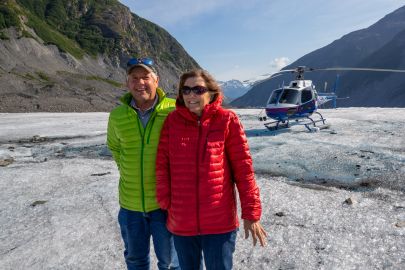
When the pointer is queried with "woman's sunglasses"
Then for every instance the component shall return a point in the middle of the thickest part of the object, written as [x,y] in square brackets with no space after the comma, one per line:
[198,90]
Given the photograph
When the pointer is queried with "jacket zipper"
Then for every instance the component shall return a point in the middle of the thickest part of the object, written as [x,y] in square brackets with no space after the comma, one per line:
[198,177]
[149,124]
[142,132]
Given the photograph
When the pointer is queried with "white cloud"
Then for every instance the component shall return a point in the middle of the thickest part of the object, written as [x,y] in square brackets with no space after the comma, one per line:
[279,63]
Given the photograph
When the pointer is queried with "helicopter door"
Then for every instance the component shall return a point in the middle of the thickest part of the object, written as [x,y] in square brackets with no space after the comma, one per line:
[306,96]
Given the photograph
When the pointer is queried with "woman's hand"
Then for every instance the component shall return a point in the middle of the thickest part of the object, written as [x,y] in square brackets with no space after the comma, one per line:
[257,231]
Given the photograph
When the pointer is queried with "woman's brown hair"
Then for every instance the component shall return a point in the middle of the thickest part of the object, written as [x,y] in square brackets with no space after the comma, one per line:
[212,85]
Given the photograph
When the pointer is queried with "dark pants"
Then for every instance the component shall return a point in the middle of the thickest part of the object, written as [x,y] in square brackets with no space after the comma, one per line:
[136,230]
[217,249]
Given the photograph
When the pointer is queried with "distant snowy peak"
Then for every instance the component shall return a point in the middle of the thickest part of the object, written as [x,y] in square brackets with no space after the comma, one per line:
[231,84]
[234,88]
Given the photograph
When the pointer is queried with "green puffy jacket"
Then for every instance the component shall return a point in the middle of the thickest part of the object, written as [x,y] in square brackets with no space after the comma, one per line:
[134,150]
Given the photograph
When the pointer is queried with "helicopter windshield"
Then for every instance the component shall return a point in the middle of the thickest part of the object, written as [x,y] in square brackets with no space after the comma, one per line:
[274,96]
[290,96]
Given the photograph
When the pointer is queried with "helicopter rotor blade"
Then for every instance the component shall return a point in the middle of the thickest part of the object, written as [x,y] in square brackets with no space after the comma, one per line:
[278,73]
[358,69]
[303,69]
[270,76]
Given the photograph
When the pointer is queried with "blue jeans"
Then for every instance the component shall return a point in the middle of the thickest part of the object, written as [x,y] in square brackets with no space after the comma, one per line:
[217,249]
[136,230]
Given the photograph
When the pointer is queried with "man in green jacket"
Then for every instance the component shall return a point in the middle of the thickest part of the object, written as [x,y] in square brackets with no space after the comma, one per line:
[133,136]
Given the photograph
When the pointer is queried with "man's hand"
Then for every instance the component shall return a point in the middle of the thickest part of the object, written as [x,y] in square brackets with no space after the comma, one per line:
[257,231]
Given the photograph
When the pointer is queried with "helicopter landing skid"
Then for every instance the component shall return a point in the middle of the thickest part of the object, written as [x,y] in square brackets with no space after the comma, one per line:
[312,125]
[275,125]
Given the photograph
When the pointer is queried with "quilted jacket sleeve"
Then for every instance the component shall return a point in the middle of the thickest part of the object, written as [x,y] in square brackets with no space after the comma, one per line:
[237,150]
[112,141]
[163,168]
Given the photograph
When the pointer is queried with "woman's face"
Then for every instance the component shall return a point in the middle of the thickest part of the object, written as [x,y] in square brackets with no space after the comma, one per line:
[194,102]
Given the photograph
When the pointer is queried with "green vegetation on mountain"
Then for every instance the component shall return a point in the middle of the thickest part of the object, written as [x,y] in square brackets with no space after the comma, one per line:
[67,24]
[93,27]
[8,17]
[72,25]
[50,36]
[42,76]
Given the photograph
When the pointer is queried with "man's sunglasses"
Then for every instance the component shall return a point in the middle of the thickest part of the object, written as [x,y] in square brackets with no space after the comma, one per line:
[198,90]
[137,61]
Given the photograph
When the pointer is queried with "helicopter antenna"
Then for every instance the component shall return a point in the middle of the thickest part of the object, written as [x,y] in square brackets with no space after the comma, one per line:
[335,85]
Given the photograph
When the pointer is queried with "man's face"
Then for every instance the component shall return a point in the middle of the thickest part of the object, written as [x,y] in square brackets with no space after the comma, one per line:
[142,85]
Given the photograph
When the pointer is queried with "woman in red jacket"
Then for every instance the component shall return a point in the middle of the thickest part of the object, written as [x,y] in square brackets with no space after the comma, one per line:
[202,155]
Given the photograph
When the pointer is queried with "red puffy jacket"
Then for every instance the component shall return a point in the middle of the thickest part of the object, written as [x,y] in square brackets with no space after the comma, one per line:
[198,162]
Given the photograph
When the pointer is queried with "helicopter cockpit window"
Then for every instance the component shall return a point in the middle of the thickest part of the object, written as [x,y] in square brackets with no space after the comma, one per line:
[290,96]
[274,96]
[306,96]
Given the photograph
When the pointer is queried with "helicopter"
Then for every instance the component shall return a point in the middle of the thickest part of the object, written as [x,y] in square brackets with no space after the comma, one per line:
[298,102]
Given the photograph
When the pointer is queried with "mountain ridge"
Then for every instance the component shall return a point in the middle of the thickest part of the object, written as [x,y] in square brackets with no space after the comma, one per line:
[355,49]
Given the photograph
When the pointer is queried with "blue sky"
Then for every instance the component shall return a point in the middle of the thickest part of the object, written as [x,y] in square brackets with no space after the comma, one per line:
[239,39]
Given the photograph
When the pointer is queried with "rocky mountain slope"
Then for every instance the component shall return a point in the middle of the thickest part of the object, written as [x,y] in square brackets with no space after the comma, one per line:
[70,55]
[379,46]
